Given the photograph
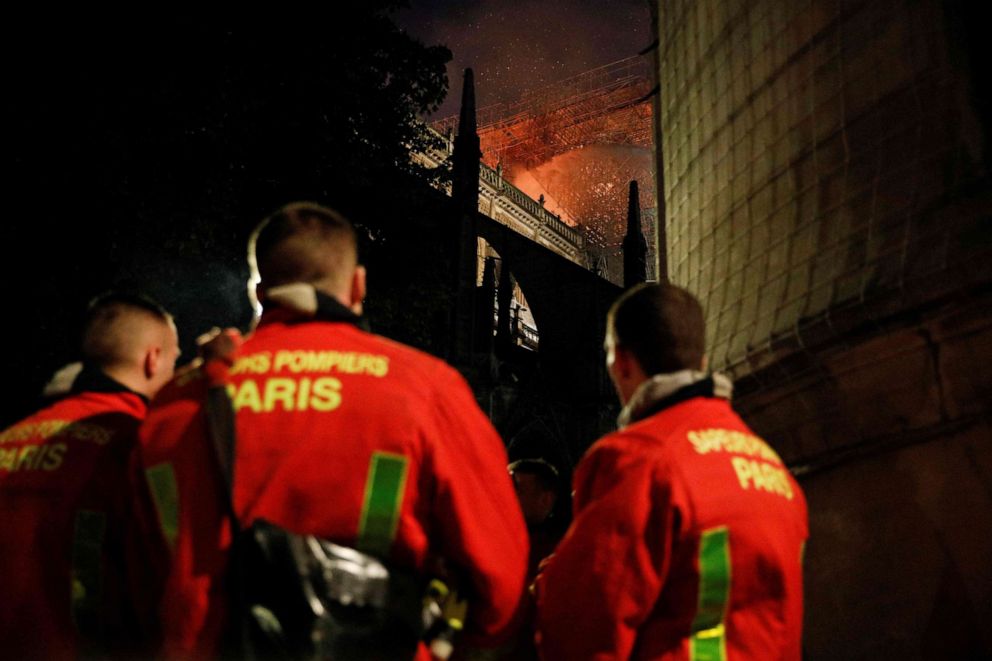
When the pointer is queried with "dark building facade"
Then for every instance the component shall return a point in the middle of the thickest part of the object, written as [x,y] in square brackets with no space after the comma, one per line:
[824,173]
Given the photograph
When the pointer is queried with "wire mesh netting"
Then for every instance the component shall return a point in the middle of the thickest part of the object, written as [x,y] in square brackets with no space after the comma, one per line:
[810,153]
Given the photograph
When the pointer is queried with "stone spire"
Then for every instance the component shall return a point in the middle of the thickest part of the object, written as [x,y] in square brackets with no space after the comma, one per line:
[467,153]
[465,199]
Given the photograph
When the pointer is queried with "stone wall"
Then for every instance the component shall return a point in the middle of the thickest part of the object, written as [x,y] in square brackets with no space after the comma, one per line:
[827,199]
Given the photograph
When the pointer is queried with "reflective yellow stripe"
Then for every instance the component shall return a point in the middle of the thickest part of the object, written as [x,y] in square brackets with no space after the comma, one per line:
[165,493]
[383,499]
[709,642]
[87,571]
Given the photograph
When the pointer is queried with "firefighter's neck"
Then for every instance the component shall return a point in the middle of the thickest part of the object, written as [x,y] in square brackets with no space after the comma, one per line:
[131,377]
[303,296]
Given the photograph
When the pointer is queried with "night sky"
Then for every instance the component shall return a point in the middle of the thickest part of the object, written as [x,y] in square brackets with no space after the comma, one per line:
[518,45]
[137,158]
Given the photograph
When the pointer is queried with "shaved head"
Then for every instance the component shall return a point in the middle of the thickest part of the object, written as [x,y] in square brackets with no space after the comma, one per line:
[308,243]
[120,333]
[117,327]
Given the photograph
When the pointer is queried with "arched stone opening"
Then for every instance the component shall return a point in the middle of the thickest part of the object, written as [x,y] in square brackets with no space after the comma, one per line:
[505,316]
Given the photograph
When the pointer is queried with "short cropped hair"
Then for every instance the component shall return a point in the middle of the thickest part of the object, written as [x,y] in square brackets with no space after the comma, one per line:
[661,325]
[545,474]
[303,242]
[107,330]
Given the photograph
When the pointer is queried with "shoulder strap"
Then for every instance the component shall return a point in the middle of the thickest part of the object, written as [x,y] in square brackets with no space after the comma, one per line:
[220,423]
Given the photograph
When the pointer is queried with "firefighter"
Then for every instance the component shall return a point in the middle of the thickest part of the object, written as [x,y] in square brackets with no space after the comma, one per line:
[688,531]
[339,433]
[69,501]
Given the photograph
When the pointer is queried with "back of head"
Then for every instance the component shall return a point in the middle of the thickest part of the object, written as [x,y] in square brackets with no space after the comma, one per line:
[118,326]
[661,325]
[304,242]
[544,473]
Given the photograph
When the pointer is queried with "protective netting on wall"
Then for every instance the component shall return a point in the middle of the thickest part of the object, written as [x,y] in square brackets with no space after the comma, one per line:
[812,150]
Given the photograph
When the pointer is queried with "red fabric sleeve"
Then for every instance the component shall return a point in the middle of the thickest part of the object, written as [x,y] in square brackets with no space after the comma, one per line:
[607,573]
[476,515]
[146,552]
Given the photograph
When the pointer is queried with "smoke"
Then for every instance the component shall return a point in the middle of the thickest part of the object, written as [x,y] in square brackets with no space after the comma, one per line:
[519,45]
[199,294]
[589,185]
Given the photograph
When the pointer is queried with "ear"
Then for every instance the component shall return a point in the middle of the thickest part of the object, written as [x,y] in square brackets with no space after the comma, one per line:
[623,362]
[152,362]
[705,364]
[357,289]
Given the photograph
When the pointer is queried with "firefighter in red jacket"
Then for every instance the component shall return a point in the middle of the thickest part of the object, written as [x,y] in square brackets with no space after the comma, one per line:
[339,433]
[688,533]
[70,506]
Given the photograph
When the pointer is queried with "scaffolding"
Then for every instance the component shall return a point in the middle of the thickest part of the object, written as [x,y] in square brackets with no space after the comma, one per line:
[608,104]
[574,146]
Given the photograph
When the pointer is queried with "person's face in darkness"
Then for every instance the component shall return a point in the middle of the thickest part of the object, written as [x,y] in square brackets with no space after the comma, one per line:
[536,502]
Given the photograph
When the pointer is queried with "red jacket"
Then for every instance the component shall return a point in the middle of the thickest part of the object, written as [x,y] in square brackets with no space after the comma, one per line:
[686,544]
[70,541]
[348,436]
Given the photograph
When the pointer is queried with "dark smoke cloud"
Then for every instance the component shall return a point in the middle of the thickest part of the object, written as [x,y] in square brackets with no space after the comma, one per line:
[518,45]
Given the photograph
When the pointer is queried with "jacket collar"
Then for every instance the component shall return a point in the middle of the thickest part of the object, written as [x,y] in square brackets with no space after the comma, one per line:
[300,301]
[664,390]
[93,379]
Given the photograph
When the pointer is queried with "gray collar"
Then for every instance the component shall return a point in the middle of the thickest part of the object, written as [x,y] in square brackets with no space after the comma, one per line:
[663,390]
